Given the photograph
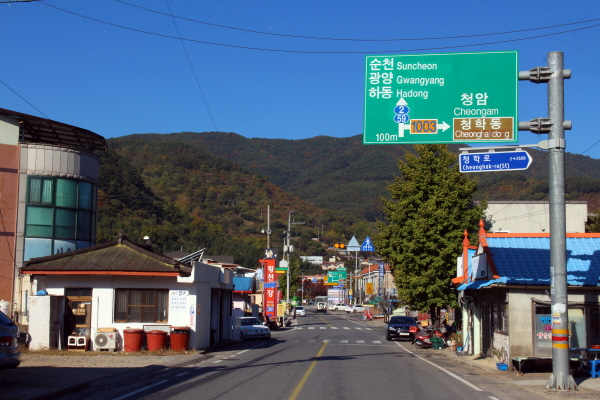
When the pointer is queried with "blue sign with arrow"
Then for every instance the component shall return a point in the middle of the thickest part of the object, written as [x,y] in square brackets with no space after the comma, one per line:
[494,161]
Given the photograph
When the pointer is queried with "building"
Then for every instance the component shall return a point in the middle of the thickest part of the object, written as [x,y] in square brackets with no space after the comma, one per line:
[48,183]
[504,291]
[533,216]
[122,285]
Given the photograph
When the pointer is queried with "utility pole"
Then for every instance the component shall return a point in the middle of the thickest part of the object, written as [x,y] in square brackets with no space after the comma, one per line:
[268,231]
[555,126]
[287,293]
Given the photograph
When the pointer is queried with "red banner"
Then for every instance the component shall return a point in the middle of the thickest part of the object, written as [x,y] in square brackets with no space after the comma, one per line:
[270,288]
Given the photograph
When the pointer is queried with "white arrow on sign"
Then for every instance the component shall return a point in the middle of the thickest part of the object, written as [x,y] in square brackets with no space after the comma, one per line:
[444,126]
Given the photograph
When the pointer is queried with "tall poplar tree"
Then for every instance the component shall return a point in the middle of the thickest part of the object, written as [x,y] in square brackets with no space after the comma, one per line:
[431,207]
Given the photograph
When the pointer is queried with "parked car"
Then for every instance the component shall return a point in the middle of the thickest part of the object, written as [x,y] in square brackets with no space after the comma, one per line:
[354,308]
[399,327]
[253,328]
[10,357]
[300,311]
[337,307]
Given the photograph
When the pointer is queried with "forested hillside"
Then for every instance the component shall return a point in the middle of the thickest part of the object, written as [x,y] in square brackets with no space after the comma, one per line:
[196,190]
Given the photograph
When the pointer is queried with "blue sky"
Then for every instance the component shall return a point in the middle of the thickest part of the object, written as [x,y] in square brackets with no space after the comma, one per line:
[88,63]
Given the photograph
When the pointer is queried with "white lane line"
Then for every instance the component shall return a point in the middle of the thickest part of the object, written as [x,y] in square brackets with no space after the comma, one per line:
[360,341]
[458,378]
[311,327]
[323,327]
[334,327]
[217,361]
[298,327]
[346,327]
[356,327]
[343,341]
[243,351]
[369,329]
[310,341]
[493,398]
[377,341]
[140,390]
[183,373]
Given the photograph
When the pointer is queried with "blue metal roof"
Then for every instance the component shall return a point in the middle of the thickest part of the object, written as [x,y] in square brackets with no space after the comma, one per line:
[526,261]
[243,284]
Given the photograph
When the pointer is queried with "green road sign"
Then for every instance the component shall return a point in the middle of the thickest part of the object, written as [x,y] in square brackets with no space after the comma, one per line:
[441,98]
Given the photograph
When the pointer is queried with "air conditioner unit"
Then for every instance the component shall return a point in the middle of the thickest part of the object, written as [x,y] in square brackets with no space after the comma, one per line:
[105,340]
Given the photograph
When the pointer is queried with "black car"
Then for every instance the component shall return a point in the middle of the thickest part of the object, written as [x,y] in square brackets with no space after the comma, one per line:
[399,328]
[9,346]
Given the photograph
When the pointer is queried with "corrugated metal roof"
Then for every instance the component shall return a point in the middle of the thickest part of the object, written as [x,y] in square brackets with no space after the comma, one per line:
[526,261]
[108,257]
[243,284]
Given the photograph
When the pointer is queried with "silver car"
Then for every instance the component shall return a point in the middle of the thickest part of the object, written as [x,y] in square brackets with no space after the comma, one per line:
[10,357]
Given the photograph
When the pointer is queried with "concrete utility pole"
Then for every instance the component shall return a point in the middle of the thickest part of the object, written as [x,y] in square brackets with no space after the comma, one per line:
[555,125]
[287,292]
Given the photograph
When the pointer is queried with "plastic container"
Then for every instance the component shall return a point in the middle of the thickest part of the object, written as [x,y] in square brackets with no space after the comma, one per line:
[180,338]
[156,340]
[132,340]
[459,348]
[502,366]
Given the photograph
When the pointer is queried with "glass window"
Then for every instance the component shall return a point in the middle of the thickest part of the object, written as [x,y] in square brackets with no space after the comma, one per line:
[62,246]
[141,305]
[84,225]
[85,195]
[47,191]
[66,193]
[64,223]
[35,247]
[39,222]
[35,190]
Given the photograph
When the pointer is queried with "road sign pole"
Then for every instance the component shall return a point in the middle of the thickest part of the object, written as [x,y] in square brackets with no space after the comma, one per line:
[560,379]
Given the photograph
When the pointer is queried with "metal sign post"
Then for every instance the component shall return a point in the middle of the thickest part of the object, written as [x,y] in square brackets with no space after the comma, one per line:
[555,126]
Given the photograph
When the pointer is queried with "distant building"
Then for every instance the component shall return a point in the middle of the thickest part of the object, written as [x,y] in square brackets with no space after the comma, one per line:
[48,183]
[318,260]
[533,216]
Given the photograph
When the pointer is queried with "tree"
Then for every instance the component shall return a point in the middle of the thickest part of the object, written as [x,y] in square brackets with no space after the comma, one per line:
[431,207]
[295,279]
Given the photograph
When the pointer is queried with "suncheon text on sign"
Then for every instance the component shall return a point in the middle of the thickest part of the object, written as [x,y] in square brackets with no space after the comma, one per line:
[441,98]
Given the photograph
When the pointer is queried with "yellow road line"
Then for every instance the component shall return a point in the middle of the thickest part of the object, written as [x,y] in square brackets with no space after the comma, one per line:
[325,321]
[300,385]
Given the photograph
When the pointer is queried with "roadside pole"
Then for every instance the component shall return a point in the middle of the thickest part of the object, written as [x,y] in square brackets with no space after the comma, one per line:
[560,379]
[555,125]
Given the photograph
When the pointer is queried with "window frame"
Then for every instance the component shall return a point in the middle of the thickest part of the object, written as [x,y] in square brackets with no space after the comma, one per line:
[139,312]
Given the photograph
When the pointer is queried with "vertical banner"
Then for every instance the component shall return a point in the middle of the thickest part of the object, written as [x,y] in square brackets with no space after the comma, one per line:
[270,287]
[380,279]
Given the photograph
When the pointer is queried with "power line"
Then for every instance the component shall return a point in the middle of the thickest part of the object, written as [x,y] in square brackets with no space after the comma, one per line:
[319,52]
[192,67]
[25,100]
[350,39]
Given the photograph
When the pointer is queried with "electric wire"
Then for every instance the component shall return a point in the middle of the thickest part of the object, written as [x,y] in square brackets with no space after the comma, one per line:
[193,70]
[314,51]
[22,98]
[353,39]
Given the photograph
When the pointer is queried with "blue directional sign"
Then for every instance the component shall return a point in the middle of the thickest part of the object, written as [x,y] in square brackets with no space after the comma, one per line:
[367,245]
[495,161]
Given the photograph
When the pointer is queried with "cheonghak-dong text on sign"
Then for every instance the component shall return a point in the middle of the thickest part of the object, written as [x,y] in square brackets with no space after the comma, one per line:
[441,98]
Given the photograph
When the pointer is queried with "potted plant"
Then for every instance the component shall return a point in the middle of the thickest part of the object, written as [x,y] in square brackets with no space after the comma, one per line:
[457,341]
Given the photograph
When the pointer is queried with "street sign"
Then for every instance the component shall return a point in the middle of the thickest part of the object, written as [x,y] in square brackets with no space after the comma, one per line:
[496,161]
[441,98]
[353,245]
[367,245]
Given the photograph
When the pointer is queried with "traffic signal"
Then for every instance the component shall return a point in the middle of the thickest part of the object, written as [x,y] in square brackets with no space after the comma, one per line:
[339,246]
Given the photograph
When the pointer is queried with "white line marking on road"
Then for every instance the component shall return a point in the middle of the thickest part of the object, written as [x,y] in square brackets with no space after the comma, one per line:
[356,327]
[344,341]
[377,341]
[334,327]
[369,329]
[360,341]
[243,351]
[217,361]
[458,378]
[183,373]
[323,327]
[140,390]
[346,327]
[298,327]
[493,398]
[310,341]
[311,327]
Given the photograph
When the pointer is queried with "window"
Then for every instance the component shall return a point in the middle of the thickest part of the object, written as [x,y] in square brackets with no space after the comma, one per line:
[61,209]
[141,305]
[500,317]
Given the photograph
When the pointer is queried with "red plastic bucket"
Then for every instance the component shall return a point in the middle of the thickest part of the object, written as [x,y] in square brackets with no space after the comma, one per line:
[156,340]
[180,338]
[133,340]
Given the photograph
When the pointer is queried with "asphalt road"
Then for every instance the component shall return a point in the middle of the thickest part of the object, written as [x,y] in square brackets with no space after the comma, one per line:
[327,356]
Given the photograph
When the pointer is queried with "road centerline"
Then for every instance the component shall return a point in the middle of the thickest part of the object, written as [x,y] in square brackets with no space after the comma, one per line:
[302,382]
